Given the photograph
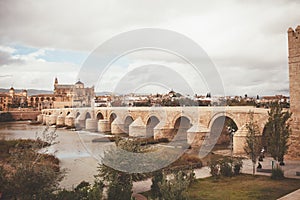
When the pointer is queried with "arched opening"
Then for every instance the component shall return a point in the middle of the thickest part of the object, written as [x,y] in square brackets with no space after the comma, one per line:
[182,124]
[112,117]
[100,116]
[128,121]
[151,124]
[68,113]
[77,114]
[88,115]
[221,132]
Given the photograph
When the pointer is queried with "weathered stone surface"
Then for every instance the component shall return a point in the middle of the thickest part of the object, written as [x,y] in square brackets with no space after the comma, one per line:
[103,126]
[294,76]
[138,128]
[196,133]
[91,124]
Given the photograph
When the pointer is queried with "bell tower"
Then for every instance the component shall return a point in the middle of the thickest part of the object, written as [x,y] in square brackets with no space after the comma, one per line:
[294,76]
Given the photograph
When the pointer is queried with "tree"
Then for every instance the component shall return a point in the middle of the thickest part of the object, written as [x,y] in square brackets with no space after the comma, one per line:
[120,187]
[253,144]
[156,180]
[277,131]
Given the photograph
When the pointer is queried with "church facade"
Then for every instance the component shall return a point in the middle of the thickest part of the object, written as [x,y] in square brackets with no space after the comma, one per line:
[72,95]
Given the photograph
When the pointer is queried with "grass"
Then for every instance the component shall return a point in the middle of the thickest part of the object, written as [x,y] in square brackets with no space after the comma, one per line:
[242,187]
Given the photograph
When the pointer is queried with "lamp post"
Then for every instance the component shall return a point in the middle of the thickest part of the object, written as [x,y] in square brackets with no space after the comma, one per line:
[231,132]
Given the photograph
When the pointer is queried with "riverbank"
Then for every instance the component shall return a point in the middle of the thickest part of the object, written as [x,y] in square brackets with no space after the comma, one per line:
[18,115]
[78,155]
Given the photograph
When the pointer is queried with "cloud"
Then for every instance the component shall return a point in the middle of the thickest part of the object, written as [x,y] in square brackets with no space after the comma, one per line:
[6,56]
[246,40]
[30,71]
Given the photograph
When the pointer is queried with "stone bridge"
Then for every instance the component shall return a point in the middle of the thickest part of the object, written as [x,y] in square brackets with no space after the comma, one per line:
[193,124]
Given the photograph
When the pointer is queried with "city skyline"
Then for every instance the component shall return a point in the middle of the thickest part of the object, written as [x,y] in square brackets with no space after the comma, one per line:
[247,41]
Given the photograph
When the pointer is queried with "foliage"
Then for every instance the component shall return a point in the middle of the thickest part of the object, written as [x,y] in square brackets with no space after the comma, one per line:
[237,166]
[225,167]
[277,173]
[175,186]
[29,174]
[120,187]
[156,180]
[83,191]
[253,144]
[277,131]
[3,181]
[214,168]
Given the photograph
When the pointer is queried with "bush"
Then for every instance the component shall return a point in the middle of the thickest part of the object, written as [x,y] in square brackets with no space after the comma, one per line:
[175,187]
[226,167]
[82,191]
[277,173]
[156,180]
[214,168]
[237,166]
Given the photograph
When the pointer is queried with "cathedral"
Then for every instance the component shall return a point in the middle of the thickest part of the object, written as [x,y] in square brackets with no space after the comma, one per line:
[73,95]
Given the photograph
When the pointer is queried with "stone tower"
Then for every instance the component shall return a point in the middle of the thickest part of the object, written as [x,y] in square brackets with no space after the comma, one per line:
[294,76]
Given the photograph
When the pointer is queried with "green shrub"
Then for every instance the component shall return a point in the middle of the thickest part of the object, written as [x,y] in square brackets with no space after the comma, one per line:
[156,180]
[237,166]
[214,168]
[277,173]
[226,167]
[175,187]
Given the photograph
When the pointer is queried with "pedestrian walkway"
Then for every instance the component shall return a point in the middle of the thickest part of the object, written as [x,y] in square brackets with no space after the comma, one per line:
[290,168]
[292,196]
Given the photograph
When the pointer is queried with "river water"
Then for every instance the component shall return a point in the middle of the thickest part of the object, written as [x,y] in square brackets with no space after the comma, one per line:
[75,149]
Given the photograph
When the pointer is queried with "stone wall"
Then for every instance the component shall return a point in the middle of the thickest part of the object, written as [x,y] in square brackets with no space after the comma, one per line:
[294,76]
[19,115]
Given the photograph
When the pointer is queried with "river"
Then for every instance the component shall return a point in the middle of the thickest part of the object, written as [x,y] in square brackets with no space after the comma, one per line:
[75,149]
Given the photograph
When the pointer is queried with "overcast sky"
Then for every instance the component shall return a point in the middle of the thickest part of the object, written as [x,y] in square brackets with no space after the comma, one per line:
[246,41]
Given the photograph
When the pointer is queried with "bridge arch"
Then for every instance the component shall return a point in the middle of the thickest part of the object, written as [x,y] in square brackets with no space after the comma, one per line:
[128,120]
[88,115]
[112,117]
[181,125]
[224,114]
[77,115]
[179,115]
[99,116]
[152,122]
[219,127]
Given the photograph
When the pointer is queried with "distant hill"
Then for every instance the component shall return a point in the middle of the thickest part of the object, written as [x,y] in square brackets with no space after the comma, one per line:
[29,91]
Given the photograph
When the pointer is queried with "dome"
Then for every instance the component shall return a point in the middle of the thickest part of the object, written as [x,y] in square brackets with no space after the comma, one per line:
[78,82]
[11,88]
